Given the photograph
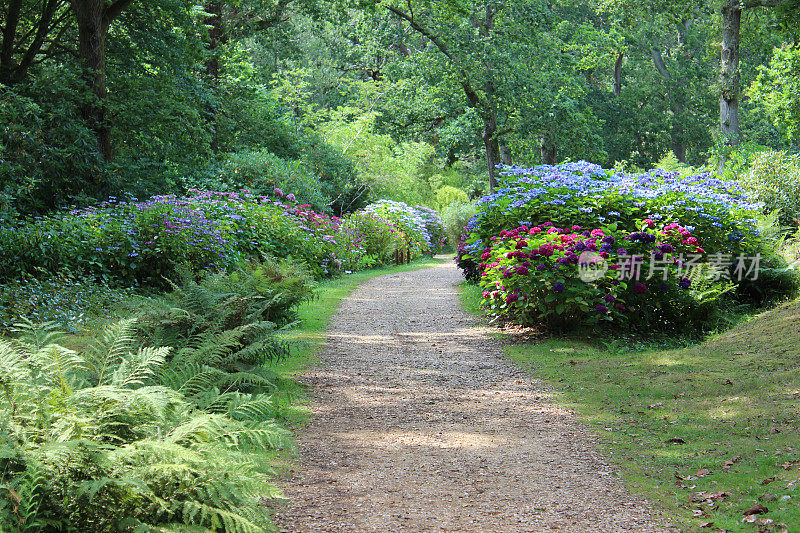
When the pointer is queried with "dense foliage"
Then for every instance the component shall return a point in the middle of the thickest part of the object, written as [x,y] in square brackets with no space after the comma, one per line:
[774,179]
[676,248]
[145,242]
[421,228]
[129,433]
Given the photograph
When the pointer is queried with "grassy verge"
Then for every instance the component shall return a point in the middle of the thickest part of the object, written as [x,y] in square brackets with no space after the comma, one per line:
[705,431]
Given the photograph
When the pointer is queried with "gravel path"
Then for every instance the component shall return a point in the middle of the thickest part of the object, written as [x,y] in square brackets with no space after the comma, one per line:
[420,425]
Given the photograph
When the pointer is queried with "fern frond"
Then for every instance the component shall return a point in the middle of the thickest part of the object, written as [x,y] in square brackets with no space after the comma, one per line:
[136,369]
[106,352]
[36,336]
[61,367]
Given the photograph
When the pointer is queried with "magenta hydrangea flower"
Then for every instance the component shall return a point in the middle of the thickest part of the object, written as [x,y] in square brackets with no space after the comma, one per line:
[277,192]
[290,197]
[639,288]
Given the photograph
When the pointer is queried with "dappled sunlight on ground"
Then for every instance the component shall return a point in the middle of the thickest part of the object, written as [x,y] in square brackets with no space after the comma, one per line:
[421,425]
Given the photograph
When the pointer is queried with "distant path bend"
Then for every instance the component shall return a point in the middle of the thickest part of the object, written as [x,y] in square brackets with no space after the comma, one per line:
[419,424]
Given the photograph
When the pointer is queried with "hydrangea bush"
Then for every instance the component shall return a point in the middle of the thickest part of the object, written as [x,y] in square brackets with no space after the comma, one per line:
[143,242]
[651,216]
[435,226]
[562,276]
[381,237]
[412,226]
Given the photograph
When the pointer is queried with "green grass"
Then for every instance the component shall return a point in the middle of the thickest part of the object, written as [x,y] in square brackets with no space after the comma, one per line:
[732,399]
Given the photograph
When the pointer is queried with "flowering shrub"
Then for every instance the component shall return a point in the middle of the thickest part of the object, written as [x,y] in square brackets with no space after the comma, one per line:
[414,224]
[715,219]
[144,242]
[719,212]
[380,238]
[543,274]
[64,300]
[774,179]
[435,227]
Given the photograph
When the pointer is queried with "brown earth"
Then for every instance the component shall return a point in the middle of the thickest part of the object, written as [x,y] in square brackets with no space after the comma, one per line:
[420,424]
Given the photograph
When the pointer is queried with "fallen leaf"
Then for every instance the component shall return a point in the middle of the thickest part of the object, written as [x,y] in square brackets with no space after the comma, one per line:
[756,509]
[655,405]
[707,524]
[709,496]
[675,440]
[768,498]
[768,480]
[751,519]
[697,513]
[728,382]
[729,463]
[766,521]
[703,472]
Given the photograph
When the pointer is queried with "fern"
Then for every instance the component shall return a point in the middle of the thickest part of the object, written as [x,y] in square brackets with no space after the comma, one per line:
[114,437]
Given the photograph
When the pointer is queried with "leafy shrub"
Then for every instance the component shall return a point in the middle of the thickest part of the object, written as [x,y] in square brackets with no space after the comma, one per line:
[346,192]
[381,238]
[455,218]
[774,179]
[262,172]
[544,275]
[47,155]
[448,194]
[142,242]
[67,301]
[717,213]
[94,441]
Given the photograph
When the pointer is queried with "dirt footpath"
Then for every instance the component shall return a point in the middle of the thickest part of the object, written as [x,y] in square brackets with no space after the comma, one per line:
[420,425]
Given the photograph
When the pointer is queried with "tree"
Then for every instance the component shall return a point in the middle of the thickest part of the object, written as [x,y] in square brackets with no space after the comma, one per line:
[470,36]
[731,23]
[93,18]
[777,90]
[31,35]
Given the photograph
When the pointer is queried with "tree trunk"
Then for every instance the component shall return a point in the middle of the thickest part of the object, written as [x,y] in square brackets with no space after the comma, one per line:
[679,149]
[492,149]
[93,18]
[729,72]
[618,75]
[548,149]
[214,21]
[92,32]
[505,153]
[7,47]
